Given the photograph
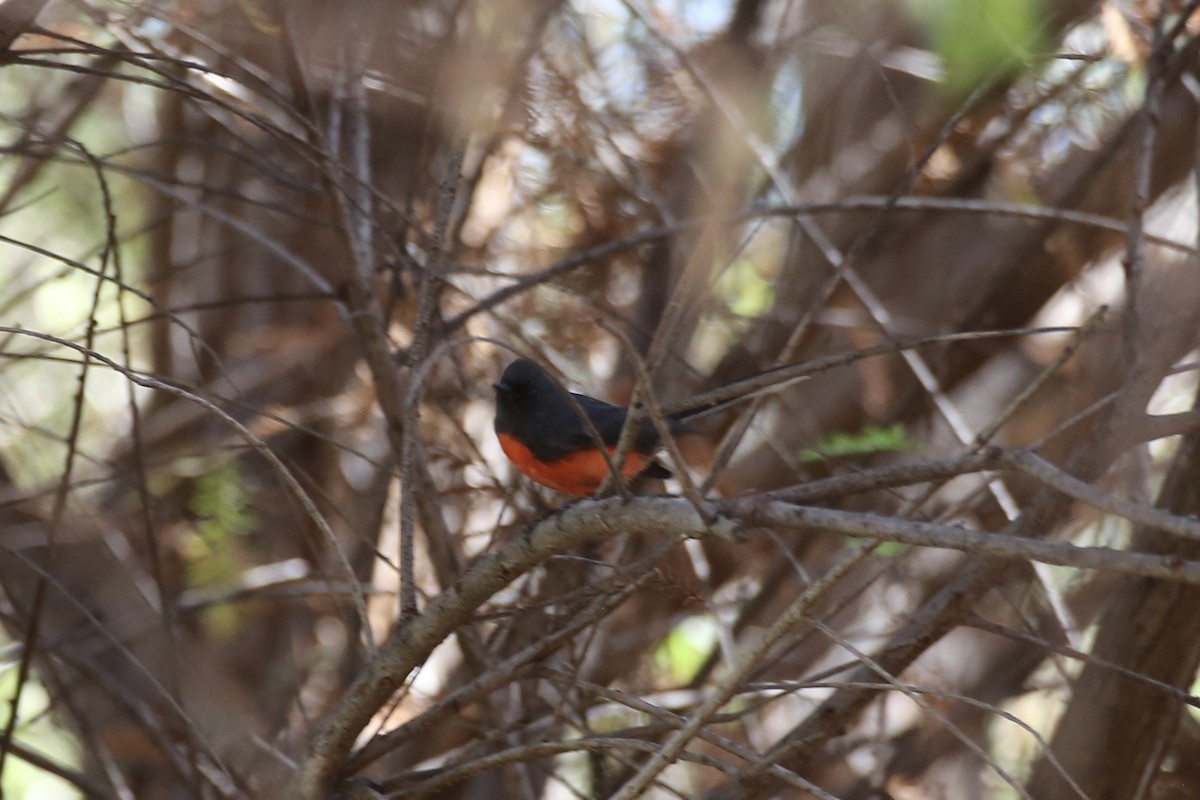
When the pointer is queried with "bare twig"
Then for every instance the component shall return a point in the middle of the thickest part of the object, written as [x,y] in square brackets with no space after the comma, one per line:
[727,685]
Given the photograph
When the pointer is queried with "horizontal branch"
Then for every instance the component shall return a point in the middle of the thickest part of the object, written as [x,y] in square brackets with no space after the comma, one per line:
[1037,467]
[775,514]
[413,639]
[435,780]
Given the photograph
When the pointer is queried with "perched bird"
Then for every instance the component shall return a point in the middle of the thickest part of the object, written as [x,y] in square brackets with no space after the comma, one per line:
[544,437]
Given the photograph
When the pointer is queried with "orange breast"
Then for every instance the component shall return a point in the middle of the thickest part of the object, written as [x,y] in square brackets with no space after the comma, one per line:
[579,473]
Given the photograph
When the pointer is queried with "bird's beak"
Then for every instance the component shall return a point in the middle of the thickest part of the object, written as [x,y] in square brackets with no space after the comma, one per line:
[500,386]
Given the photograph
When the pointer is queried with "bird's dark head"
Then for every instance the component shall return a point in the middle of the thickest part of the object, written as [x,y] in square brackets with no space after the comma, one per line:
[522,385]
[522,379]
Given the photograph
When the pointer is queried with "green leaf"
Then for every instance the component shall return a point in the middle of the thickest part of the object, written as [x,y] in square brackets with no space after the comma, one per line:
[687,647]
[745,291]
[975,38]
[871,439]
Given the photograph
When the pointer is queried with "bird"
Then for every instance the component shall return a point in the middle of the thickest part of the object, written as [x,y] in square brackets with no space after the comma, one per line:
[543,435]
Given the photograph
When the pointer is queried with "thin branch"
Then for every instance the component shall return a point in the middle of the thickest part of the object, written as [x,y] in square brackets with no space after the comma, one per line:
[770,513]
[256,444]
[991,208]
[504,671]
[418,352]
[725,688]
[415,637]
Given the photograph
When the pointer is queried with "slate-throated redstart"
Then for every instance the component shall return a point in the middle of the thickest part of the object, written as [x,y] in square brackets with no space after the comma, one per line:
[543,435]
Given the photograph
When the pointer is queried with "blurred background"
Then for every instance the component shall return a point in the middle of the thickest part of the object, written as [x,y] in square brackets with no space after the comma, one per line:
[260,262]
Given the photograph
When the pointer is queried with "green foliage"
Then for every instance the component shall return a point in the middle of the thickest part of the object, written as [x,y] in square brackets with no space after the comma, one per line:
[36,730]
[686,648]
[882,549]
[976,37]
[871,439]
[747,293]
[221,501]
